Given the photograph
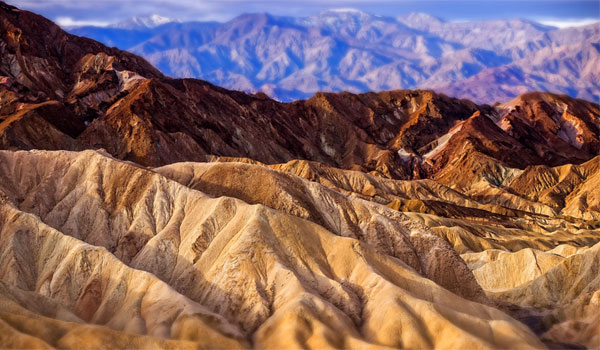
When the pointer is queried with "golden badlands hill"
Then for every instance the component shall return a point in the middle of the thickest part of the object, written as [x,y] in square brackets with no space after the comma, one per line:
[97,251]
[89,241]
[139,211]
[509,239]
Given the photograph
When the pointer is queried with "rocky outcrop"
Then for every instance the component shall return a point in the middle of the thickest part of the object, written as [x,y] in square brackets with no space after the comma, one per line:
[561,128]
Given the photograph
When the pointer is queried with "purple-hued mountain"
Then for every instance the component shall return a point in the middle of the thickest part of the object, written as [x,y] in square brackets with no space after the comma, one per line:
[349,50]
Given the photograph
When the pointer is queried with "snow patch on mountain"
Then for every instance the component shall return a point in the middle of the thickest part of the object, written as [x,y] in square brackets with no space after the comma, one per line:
[144,22]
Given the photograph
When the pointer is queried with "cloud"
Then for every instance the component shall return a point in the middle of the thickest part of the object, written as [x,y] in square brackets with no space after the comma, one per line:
[565,23]
[557,13]
[70,22]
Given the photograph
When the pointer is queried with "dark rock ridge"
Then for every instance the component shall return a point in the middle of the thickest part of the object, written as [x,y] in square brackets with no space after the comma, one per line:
[61,91]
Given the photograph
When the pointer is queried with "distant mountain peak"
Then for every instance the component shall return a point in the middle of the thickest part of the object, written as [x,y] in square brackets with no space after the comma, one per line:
[144,22]
[419,20]
[421,15]
[342,17]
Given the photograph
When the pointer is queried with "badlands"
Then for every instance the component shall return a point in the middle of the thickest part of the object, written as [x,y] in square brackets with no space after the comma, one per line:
[141,211]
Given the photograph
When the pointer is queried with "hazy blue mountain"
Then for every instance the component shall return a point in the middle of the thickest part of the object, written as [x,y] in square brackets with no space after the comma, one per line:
[568,68]
[335,50]
[117,37]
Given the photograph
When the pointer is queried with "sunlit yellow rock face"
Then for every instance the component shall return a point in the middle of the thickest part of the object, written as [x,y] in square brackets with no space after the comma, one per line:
[236,255]
[96,251]
[515,249]
[563,282]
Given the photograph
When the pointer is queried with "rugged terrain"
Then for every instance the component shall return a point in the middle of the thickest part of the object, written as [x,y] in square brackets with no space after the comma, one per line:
[348,50]
[139,211]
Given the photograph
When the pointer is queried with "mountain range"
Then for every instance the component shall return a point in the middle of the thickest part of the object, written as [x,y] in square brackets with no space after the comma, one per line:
[142,211]
[348,50]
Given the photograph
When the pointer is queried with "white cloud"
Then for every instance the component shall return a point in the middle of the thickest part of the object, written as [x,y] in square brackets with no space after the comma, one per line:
[345,10]
[565,23]
[70,22]
[100,12]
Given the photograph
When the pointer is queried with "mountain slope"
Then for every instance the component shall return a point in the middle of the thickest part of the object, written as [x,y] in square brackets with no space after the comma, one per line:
[63,79]
[569,69]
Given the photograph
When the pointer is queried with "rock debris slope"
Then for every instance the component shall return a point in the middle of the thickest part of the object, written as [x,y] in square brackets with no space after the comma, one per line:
[123,247]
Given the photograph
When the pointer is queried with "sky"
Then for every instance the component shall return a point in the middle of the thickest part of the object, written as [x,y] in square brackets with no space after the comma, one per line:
[561,13]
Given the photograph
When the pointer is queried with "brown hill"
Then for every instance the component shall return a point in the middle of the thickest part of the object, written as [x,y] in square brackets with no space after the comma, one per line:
[556,127]
[64,92]
[42,63]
